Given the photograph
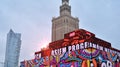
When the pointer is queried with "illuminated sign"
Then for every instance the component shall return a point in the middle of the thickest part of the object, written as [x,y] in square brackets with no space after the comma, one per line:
[84,45]
[72,34]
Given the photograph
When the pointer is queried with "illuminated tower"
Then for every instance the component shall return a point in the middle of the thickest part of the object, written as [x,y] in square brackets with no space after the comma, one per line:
[64,23]
[12,49]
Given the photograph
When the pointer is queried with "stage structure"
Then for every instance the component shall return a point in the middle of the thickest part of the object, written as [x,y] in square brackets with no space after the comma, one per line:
[79,48]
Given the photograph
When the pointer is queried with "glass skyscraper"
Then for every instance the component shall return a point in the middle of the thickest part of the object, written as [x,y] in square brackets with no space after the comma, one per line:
[12,49]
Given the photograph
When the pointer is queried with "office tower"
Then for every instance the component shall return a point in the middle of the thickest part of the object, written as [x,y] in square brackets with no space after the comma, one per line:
[12,49]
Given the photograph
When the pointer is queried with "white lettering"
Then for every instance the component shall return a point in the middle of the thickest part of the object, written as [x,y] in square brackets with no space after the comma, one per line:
[81,46]
[94,45]
[52,52]
[64,50]
[101,48]
[85,44]
[73,47]
[69,49]
[98,47]
[77,47]
[91,45]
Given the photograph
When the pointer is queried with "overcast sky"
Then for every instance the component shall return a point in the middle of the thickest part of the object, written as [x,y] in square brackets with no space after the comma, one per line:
[32,18]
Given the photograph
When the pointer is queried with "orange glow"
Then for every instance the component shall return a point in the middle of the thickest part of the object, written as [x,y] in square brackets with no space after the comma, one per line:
[43,43]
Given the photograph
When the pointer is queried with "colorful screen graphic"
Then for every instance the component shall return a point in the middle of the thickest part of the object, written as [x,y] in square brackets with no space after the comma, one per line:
[87,57]
[78,49]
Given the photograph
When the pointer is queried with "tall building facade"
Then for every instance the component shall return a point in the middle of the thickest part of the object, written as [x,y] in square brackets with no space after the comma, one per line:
[64,23]
[1,64]
[12,49]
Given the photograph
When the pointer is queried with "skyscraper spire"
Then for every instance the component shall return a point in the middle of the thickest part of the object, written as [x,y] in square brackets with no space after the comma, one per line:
[65,1]
[65,8]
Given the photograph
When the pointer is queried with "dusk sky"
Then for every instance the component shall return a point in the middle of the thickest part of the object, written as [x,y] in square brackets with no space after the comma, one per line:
[32,18]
